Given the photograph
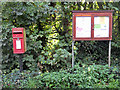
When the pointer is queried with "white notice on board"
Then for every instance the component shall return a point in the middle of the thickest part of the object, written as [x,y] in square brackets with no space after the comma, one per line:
[18,44]
[83,27]
[101,26]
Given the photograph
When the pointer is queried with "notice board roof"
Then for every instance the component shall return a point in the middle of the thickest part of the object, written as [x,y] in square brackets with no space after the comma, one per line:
[92,11]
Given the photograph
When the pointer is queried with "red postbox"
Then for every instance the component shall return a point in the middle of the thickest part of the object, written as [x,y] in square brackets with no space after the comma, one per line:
[19,40]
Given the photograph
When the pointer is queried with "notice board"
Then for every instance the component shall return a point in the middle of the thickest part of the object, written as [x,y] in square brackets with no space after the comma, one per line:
[92,25]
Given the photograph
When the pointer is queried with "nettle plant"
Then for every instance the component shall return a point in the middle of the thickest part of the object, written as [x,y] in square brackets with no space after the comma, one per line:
[81,76]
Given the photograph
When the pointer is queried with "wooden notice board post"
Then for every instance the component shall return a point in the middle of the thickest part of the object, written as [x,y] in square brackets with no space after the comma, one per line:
[92,25]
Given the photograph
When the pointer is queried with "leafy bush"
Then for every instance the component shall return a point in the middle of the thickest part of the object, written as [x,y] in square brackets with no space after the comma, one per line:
[61,57]
[45,33]
[81,76]
[48,28]
[15,79]
[93,76]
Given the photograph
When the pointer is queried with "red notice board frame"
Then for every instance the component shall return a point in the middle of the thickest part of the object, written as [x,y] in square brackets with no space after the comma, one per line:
[92,14]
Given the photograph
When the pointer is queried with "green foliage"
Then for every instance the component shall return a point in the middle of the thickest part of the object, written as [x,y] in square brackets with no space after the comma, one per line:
[62,56]
[81,76]
[93,76]
[48,28]
[15,79]
[36,18]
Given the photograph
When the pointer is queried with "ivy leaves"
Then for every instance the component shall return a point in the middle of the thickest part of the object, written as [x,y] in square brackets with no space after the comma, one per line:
[48,28]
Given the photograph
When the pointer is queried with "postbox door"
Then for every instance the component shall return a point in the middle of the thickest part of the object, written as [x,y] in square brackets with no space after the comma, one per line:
[18,44]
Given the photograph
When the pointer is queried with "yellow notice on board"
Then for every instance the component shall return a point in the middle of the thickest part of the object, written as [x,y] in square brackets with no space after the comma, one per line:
[102,20]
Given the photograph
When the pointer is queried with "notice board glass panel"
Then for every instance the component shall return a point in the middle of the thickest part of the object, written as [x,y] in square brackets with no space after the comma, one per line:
[101,26]
[83,26]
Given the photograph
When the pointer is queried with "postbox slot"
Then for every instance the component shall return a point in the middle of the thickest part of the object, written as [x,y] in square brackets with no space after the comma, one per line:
[17,32]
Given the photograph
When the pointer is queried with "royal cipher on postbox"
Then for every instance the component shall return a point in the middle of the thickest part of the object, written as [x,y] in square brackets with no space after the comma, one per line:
[19,40]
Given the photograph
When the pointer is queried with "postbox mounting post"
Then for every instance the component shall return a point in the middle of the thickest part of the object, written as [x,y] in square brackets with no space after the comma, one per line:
[20,62]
